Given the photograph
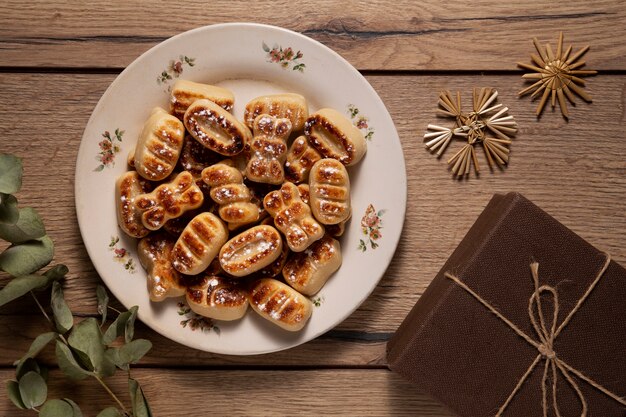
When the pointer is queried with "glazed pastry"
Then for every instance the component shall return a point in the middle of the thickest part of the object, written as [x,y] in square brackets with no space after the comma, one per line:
[215,128]
[185,92]
[276,267]
[334,136]
[305,192]
[280,304]
[194,157]
[218,298]
[169,200]
[268,150]
[127,188]
[159,145]
[308,271]
[130,159]
[293,217]
[288,106]
[176,226]
[337,230]
[300,159]
[199,243]
[251,251]
[155,255]
[232,195]
[329,191]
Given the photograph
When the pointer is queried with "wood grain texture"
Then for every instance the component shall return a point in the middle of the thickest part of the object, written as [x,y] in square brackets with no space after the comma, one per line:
[425,35]
[337,348]
[576,171]
[175,393]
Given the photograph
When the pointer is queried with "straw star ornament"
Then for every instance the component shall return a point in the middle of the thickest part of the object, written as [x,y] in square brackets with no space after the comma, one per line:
[474,128]
[557,75]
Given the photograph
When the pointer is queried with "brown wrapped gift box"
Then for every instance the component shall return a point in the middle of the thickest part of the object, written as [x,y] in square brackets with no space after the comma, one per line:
[461,353]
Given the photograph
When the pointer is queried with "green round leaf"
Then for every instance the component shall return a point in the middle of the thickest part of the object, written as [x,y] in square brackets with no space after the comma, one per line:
[26,258]
[62,314]
[120,326]
[28,226]
[133,351]
[138,400]
[113,355]
[38,345]
[86,341]
[75,407]
[129,330]
[10,174]
[25,367]
[68,364]
[19,286]
[33,389]
[13,390]
[9,213]
[56,408]
[109,412]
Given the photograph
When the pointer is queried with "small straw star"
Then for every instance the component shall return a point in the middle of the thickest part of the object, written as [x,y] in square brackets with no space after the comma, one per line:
[472,128]
[557,75]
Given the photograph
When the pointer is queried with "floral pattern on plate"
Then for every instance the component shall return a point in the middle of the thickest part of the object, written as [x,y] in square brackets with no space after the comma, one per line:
[371,223]
[175,69]
[195,321]
[109,147]
[285,57]
[317,301]
[361,122]
[121,255]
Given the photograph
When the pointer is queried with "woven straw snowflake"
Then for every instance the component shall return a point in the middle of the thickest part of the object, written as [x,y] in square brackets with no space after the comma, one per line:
[557,75]
[473,128]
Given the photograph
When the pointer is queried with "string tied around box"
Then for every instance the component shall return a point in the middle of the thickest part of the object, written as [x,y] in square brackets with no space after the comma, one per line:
[545,345]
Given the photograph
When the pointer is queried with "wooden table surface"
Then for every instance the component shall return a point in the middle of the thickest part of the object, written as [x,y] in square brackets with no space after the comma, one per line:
[58,57]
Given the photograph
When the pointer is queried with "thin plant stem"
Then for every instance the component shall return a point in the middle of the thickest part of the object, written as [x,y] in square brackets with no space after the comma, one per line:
[114,309]
[106,387]
[47,316]
[41,307]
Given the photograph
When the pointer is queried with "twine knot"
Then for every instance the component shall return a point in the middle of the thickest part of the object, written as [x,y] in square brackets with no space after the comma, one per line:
[546,351]
[545,346]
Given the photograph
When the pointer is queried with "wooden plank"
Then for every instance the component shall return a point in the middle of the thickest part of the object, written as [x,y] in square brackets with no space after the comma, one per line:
[336,348]
[182,393]
[575,170]
[426,35]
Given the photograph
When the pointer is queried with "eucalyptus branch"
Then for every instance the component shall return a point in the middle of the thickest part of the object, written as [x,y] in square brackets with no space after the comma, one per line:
[84,348]
[112,394]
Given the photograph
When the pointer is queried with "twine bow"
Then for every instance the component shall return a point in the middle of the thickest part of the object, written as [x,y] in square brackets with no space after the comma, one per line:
[545,344]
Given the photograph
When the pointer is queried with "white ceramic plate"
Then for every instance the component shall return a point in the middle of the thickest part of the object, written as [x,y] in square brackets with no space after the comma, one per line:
[251,60]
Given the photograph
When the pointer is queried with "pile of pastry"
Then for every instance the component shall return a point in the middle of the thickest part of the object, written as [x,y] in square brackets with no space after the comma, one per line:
[232,213]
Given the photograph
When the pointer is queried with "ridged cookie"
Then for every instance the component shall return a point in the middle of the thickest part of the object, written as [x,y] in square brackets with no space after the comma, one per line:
[199,243]
[159,145]
[218,298]
[329,191]
[288,106]
[280,304]
[185,92]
